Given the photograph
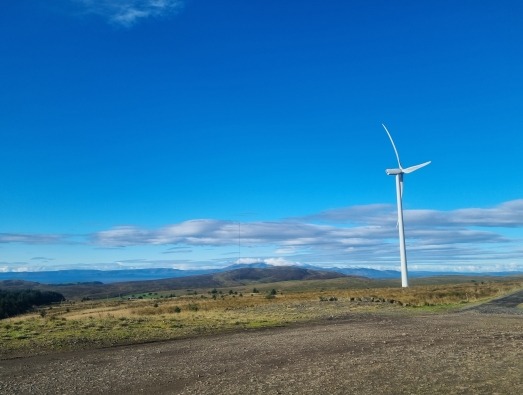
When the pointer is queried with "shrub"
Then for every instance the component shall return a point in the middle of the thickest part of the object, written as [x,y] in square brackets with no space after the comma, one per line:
[193,307]
[325,299]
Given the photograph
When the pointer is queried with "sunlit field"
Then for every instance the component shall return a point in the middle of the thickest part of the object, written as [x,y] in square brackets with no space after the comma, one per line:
[156,316]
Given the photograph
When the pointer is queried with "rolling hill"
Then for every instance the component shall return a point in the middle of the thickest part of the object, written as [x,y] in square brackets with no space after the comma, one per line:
[232,278]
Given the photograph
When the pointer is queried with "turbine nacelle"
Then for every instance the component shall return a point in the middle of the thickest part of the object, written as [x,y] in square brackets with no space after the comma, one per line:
[393,172]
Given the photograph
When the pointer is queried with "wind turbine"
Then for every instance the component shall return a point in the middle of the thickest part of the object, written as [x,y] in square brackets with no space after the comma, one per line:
[399,195]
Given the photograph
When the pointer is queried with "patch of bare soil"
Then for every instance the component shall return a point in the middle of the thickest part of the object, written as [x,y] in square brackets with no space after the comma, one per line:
[471,352]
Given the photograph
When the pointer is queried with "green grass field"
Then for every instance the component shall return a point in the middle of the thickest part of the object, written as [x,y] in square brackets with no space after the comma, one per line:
[155,316]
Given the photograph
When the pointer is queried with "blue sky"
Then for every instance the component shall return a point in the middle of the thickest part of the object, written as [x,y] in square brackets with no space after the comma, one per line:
[196,133]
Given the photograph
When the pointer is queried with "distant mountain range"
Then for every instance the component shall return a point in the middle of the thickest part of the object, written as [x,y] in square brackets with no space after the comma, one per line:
[94,284]
[124,275]
[239,277]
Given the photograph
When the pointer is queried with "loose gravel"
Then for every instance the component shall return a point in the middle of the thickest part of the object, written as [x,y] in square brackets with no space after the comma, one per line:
[477,351]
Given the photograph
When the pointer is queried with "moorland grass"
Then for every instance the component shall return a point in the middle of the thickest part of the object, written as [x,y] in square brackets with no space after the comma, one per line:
[91,324]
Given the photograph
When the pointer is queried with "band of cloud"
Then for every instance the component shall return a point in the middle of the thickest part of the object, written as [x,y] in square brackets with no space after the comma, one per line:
[376,223]
[359,234]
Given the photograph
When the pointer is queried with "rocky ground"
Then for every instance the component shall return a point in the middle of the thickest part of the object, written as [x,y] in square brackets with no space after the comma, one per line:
[475,351]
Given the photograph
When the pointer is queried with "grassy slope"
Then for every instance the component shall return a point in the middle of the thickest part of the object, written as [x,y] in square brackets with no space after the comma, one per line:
[100,323]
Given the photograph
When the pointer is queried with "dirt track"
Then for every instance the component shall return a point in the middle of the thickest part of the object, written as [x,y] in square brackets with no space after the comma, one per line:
[474,352]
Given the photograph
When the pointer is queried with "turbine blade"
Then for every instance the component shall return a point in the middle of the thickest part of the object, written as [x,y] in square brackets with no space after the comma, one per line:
[414,168]
[393,146]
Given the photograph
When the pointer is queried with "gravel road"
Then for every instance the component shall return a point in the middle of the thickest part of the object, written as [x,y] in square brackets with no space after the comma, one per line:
[505,305]
[476,351]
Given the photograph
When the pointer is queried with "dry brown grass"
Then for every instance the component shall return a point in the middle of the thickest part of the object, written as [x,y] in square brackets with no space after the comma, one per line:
[109,322]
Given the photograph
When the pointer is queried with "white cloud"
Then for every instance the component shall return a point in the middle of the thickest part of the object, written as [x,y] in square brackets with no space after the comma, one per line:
[122,236]
[269,261]
[280,262]
[31,238]
[220,233]
[128,12]
[361,235]
[508,214]
[364,236]
[18,267]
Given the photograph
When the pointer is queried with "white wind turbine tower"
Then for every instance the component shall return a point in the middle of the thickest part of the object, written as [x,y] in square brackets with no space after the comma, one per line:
[399,195]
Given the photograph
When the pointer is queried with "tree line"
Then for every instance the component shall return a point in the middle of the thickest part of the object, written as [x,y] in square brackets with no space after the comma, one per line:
[18,302]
